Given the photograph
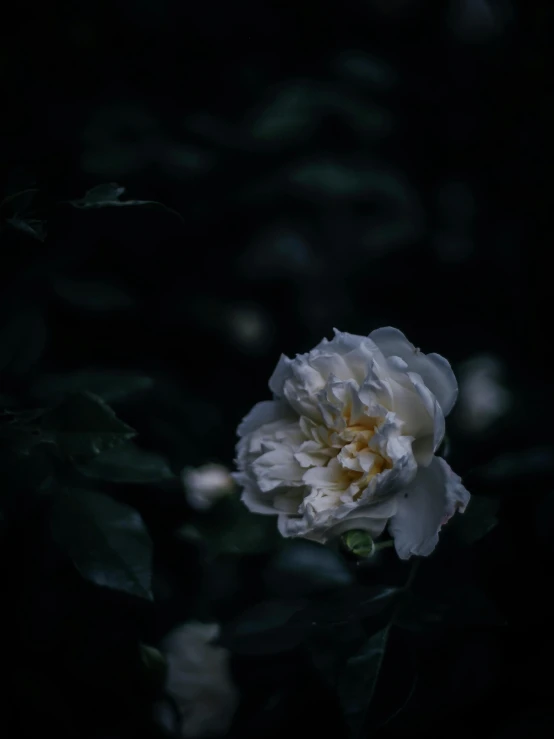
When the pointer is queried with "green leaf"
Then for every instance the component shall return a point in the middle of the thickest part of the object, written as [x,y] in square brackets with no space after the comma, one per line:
[268,628]
[107,541]
[305,568]
[326,178]
[29,226]
[27,475]
[287,115]
[477,520]
[351,604]
[100,195]
[128,464]
[418,613]
[359,543]
[22,340]
[111,386]
[83,426]
[92,295]
[332,178]
[359,114]
[357,683]
[107,196]
[19,202]
[154,665]
[331,644]
[231,529]
[366,70]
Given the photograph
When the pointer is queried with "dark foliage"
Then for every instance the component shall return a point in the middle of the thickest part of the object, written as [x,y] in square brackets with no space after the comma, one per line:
[284,169]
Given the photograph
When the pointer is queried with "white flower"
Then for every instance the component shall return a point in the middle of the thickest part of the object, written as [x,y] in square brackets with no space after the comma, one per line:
[349,442]
[207,484]
[199,680]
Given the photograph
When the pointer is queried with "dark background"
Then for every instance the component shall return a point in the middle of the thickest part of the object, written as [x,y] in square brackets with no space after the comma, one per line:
[350,165]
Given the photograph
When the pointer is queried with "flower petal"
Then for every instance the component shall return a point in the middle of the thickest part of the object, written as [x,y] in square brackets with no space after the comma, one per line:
[343,343]
[371,518]
[424,506]
[435,370]
[255,502]
[331,364]
[262,413]
[277,468]
[281,373]
[417,421]
[432,441]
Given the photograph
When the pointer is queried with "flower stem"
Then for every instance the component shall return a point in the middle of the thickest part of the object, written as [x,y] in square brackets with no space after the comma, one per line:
[383,545]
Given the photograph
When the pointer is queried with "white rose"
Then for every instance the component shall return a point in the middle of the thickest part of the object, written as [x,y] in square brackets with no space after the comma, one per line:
[207,484]
[199,680]
[349,442]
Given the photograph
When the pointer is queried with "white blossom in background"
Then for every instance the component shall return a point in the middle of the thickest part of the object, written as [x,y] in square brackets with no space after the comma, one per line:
[199,681]
[249,326]
[349,442]
[205,485]
[483,398]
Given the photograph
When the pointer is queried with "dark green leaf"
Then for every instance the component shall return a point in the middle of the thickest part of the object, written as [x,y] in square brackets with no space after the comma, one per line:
[100,195]
[19,202]
[366,70]
[331,644]
[230,528]
[327,179]
[22,340]
[417,613]
[286,116]
[92,295]
[30,226]
[27,475]
[107,541]
[358,114]
[242,538]
[333,178]
[304,568]
[83,426]
[154,665]
[20,418]
[478,519]
[20,431]
[107,196]
[268,628]
[128,464]
[375,599]
[111,386]
[351,604]
[359,679]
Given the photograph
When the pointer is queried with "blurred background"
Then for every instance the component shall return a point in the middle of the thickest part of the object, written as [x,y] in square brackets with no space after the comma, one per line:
[353,165]
[376,163]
